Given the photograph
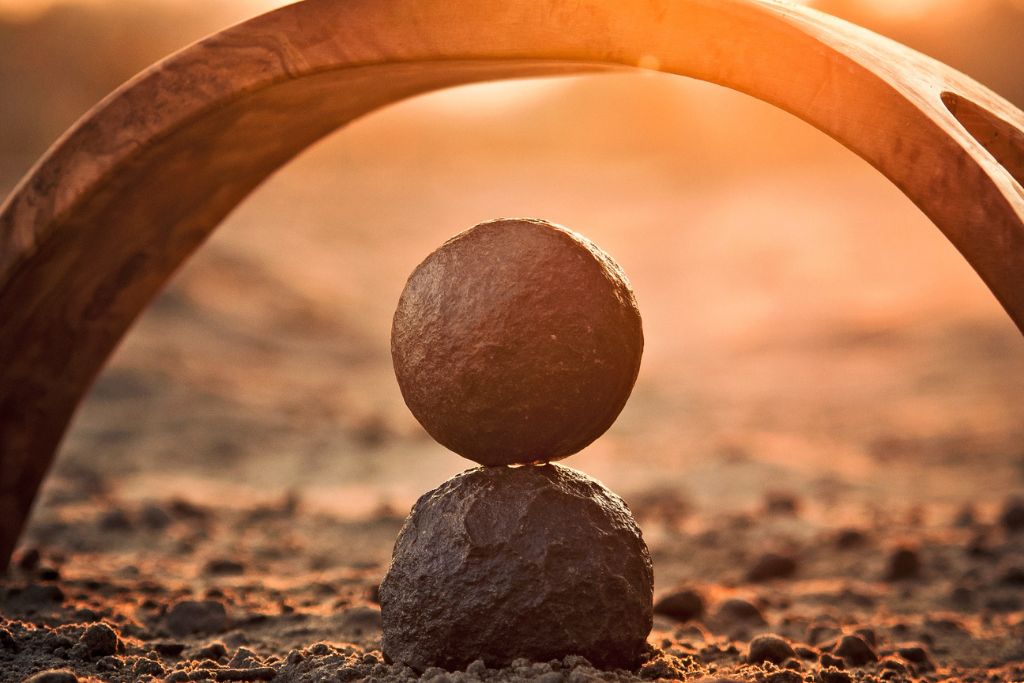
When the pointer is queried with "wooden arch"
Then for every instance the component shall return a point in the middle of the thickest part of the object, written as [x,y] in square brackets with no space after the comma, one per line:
[106,217]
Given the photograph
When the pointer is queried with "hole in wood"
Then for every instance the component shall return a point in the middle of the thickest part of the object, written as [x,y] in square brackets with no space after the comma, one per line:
[1002,140]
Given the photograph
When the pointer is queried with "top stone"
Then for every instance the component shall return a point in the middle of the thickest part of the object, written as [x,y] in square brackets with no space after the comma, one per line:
[516,342]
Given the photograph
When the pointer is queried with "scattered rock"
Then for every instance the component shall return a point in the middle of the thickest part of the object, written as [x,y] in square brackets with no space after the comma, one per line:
[782,503]
[834,675]
[829,661]
[28,559]
[53,676]
[224,567]
[214,651]
[854,651]
[513,543]
[847,539]
[904,565]
[154,516]
[1012,515]
[99,640]
[737,610]
[681,605]
[915,654]
[197,616]
[770,648]
[771,566]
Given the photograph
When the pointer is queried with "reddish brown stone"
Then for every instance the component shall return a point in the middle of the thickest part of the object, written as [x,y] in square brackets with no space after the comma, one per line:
[498,563]
[517,341]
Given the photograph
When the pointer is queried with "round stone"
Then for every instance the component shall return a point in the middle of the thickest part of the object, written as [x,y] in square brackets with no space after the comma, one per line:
[518,341]
[500,563]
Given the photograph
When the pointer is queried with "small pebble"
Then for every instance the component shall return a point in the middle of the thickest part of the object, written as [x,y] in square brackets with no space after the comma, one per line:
[770,648]
[197,616]
[53,676]
[771,566]
[681,605]
[916,654]
[215,651]
[850,538]
[739,610]
[99,640]
[1012,515]
[855,651]
[224,567]
[28,559]
[833,675]
[904,565]
[830,661]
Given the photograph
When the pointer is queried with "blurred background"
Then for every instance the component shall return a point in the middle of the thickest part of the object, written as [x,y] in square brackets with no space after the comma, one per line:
[808,330]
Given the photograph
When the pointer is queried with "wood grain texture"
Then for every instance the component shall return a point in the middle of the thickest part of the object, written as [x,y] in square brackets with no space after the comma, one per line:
[112,210]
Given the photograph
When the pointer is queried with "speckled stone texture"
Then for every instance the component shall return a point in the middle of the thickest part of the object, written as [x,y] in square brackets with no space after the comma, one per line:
[536,562]
[517,341]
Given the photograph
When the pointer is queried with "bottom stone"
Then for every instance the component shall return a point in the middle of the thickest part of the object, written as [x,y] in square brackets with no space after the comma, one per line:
[499,563]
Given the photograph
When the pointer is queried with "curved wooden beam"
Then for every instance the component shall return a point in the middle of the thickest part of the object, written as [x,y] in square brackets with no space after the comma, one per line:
[105,218]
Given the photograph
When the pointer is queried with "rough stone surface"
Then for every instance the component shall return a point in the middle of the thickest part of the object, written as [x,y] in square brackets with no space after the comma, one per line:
[532,562]
[197,616]
[682,605]
[855,651]
[517,341]
[99,640]
[770,648]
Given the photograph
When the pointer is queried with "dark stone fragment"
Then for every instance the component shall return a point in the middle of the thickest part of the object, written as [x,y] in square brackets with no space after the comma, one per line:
[833,675]
[771,566]
[784,677]
[737,610]
[830,661]
[904,565]
[660,668]
[501,563]
[1012,515]
[855,651]
[153,516]
[850,538]
[804,652]
[681,605]
[263,673]
[893,664]
[868,634]
[213,651]
[28,559]
[224,567]
[782,503]
[7,641]
[915,654]
[770,648]
[517,341]
[1013,575]
[197,616]
[48,574]
[99,640]
[54,676]
[115,519]
[144,666]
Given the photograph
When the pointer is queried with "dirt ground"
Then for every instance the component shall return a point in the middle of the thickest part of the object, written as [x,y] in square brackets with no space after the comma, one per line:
[825,442]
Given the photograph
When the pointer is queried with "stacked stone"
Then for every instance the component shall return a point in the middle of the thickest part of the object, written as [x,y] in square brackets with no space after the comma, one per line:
[517,344]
